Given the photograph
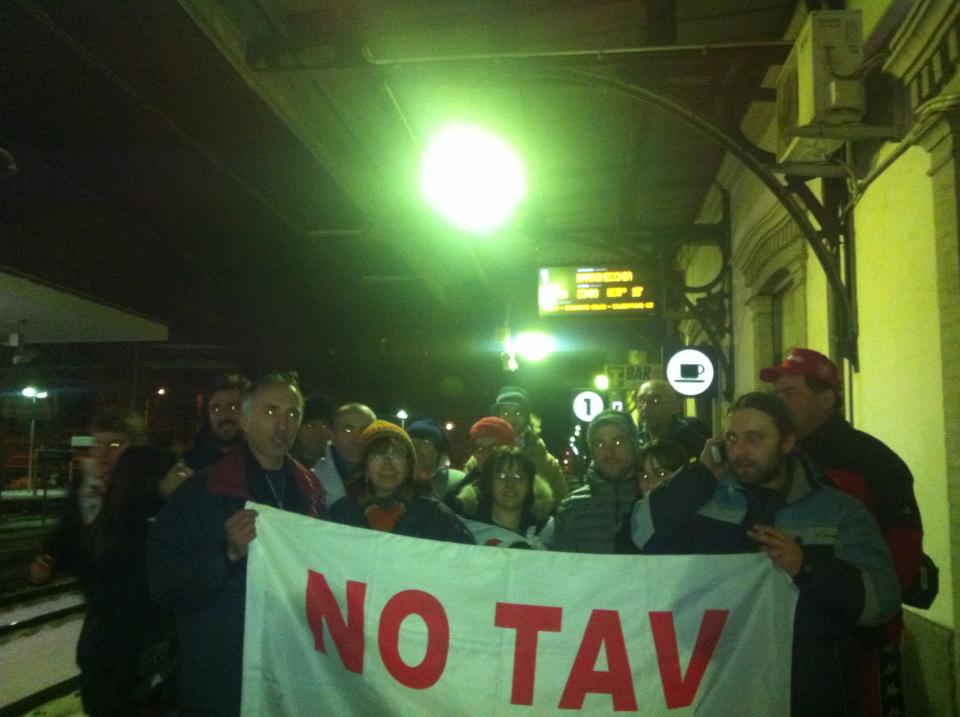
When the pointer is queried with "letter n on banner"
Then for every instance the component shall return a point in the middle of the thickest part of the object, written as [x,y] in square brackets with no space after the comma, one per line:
[678,690]
[322,607]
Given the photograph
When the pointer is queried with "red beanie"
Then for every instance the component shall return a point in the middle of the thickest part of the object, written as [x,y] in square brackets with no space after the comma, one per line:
[493,426]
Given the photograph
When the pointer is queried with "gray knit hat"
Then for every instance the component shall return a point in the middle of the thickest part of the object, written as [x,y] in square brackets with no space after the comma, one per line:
[619,418]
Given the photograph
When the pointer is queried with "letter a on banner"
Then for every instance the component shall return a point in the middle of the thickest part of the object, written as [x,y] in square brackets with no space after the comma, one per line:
[602,630]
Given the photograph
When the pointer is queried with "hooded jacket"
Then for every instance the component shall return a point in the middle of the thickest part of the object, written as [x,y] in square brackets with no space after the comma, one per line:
[847,577]
[476,511]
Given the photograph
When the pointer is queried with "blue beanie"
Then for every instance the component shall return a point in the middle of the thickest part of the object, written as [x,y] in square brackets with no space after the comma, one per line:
[429,430]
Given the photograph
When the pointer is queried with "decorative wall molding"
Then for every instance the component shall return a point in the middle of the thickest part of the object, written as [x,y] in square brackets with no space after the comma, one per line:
[925,51]
[772,244]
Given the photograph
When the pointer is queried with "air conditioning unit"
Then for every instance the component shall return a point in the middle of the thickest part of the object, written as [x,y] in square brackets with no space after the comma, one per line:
[818,87]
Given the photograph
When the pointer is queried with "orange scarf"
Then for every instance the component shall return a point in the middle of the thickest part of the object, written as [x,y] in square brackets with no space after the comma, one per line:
[384,519]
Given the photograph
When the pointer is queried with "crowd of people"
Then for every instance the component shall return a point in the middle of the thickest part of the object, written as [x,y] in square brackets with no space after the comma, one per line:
[160,543]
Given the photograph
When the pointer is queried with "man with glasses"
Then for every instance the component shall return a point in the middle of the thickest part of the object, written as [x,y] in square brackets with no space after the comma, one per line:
[513,406]
[661,417]
[343,451]
[587,520]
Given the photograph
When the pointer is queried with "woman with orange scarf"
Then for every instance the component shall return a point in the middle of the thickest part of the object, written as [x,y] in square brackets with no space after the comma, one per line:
[383,494]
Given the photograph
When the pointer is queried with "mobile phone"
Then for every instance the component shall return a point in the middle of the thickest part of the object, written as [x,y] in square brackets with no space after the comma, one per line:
[718,452]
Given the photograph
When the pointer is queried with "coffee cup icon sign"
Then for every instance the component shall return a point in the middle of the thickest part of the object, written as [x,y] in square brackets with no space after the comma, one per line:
[692,372]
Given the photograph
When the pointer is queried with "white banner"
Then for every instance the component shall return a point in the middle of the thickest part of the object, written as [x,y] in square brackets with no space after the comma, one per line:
[346,621]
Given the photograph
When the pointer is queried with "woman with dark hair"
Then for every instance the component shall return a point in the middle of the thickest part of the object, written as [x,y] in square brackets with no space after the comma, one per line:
[657,461]
[509,504]
[383,494]
[127,640]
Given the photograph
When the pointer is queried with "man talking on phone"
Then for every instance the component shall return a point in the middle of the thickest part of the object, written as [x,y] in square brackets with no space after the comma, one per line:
[767,497]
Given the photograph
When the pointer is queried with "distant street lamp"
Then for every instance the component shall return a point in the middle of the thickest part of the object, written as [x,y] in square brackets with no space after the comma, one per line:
[403,416]
[33,394]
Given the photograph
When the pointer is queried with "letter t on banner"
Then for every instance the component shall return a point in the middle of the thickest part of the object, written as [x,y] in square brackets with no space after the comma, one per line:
[528,621]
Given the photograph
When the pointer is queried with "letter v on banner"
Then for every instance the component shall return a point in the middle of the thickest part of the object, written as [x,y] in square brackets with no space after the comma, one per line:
[679,691]
[322,607]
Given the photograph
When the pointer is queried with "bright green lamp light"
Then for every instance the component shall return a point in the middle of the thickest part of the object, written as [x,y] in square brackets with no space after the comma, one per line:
[472,177]
[534,346]
[601,381]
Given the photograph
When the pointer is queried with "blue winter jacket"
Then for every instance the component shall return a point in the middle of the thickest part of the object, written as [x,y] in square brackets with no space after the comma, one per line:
[847,577]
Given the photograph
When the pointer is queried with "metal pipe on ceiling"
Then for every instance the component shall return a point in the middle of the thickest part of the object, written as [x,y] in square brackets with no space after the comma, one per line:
[777,48]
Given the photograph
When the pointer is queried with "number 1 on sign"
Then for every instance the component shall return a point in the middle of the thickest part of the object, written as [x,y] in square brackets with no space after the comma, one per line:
[586,405]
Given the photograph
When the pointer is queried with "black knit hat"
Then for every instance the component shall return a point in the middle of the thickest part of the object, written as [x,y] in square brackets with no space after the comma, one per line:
[619,418]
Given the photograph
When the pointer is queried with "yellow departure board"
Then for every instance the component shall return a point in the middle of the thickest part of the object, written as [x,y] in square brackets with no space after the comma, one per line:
[589,290]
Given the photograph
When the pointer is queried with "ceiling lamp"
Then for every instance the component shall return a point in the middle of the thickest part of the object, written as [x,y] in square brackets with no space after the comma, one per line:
[472,177]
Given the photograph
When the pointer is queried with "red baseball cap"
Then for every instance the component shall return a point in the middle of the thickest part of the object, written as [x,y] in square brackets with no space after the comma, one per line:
[804,362]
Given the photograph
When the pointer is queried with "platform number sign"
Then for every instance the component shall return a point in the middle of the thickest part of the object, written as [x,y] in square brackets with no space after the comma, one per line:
[586,405]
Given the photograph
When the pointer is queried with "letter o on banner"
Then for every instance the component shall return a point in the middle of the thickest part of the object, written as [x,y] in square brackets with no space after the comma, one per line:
[399,608]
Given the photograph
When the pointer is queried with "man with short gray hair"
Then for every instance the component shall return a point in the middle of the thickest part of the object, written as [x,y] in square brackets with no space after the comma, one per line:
[198,546]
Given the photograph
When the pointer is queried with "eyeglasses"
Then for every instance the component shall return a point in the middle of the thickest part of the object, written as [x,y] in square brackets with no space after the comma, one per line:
[509,477]
[508,412]
[649,400]
[480,448]
[393,454]
[601,445]
[217,409]
[658,474]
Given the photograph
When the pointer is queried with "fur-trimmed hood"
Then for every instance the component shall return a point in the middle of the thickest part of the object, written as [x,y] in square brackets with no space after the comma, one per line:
[540,508]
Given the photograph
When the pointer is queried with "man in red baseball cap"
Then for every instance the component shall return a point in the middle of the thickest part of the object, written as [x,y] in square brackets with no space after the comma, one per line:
[866,468]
